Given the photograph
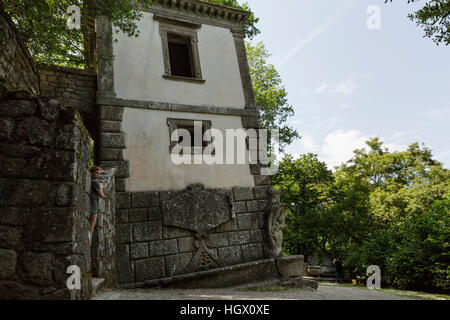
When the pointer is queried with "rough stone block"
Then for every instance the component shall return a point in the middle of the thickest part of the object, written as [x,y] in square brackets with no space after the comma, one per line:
[139,250]
[144,199]
[14,216]
[256,235]
[243,193]
[10,237]
[292,266]
[37,267]
[154,213]
[65,195]
[218,240]
[150,269]
[228,226]
[137,215]
[240,207]
[262,180]
[252,206]
[111,113]
[121,216]
[186,244]
[11,290]
[170,247]
[156,248]
[247,221]
[147,231]
[8,259]
[123,200]
[230,255]
[173,232]
[262,193]
[17,108]
[111,154]
[263,205]
[6,129]
[120,185]
[240,237]
[113,140]
[176,264]
[252,252]
[110,126]
[125,272]
[122,252]
[123,233]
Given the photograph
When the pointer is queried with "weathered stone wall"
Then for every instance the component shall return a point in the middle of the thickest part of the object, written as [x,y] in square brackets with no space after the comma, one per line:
[104,240]
[44,202]
[147,249]
[17,70]
[75,88]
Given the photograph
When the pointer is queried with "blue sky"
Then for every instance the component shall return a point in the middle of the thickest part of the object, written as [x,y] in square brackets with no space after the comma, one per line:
[348,83]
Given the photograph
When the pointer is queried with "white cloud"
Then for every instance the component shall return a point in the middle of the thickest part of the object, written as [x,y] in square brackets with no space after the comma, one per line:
[339,146]
[346,87]
[308,144]
[401,134]
[437,114]
[322,88]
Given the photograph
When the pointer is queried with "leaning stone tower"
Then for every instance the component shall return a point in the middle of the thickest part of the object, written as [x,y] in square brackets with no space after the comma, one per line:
[188,66]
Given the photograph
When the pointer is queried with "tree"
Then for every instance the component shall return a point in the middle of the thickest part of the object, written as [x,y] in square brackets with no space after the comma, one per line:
[434,18]
[270,94]
[305,183]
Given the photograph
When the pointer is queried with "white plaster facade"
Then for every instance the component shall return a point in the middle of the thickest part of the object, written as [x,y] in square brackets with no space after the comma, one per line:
[139,68]
[151,167]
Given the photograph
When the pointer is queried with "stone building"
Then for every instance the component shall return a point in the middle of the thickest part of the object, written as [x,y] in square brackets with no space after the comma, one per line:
[162,223]
[188,64]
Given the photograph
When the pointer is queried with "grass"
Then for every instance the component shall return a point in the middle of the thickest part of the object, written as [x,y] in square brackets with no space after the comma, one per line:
[410,294]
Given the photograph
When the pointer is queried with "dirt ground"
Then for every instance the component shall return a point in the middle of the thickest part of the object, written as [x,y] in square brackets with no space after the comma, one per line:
[264,291]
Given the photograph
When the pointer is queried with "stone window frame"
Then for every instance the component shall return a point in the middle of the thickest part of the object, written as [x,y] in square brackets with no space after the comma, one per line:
[175,123]
[187,30]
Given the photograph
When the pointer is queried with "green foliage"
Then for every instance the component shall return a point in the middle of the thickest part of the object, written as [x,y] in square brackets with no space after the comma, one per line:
[270,94]
[434,18]
[43,25]
[390,209]
[304,183]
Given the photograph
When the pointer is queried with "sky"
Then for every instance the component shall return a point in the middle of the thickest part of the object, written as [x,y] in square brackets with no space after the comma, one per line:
[348,83]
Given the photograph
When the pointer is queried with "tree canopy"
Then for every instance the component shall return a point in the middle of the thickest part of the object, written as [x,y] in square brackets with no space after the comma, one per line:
[434,18]
[383,208]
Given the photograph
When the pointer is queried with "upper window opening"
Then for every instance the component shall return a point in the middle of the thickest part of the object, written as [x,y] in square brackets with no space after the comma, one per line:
[180,55]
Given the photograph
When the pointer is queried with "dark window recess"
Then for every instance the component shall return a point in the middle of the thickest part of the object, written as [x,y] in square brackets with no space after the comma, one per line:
[180,55]
[191,132]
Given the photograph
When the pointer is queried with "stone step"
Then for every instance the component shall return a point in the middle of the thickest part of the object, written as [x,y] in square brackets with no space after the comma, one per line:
[97,285]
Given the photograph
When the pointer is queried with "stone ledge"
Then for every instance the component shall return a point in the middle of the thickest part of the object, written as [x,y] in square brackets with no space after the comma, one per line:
[252,272]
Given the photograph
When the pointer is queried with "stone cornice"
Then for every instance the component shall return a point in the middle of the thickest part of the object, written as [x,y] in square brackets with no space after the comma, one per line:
[201,11]
[175,107]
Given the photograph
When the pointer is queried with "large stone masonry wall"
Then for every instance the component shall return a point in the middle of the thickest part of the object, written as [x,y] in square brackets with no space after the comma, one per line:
[44,199]
[75,88]
[147,249]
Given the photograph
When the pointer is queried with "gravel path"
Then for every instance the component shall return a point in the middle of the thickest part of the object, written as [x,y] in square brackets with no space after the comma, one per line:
[324,292]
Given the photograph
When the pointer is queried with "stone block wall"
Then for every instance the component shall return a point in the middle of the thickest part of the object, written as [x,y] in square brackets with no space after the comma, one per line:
[44,198]
[104,241]
[74,88]
[147,249]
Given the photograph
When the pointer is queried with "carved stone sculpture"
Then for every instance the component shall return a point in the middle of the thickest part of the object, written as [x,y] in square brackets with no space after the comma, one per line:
[199,210]
[275,224]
